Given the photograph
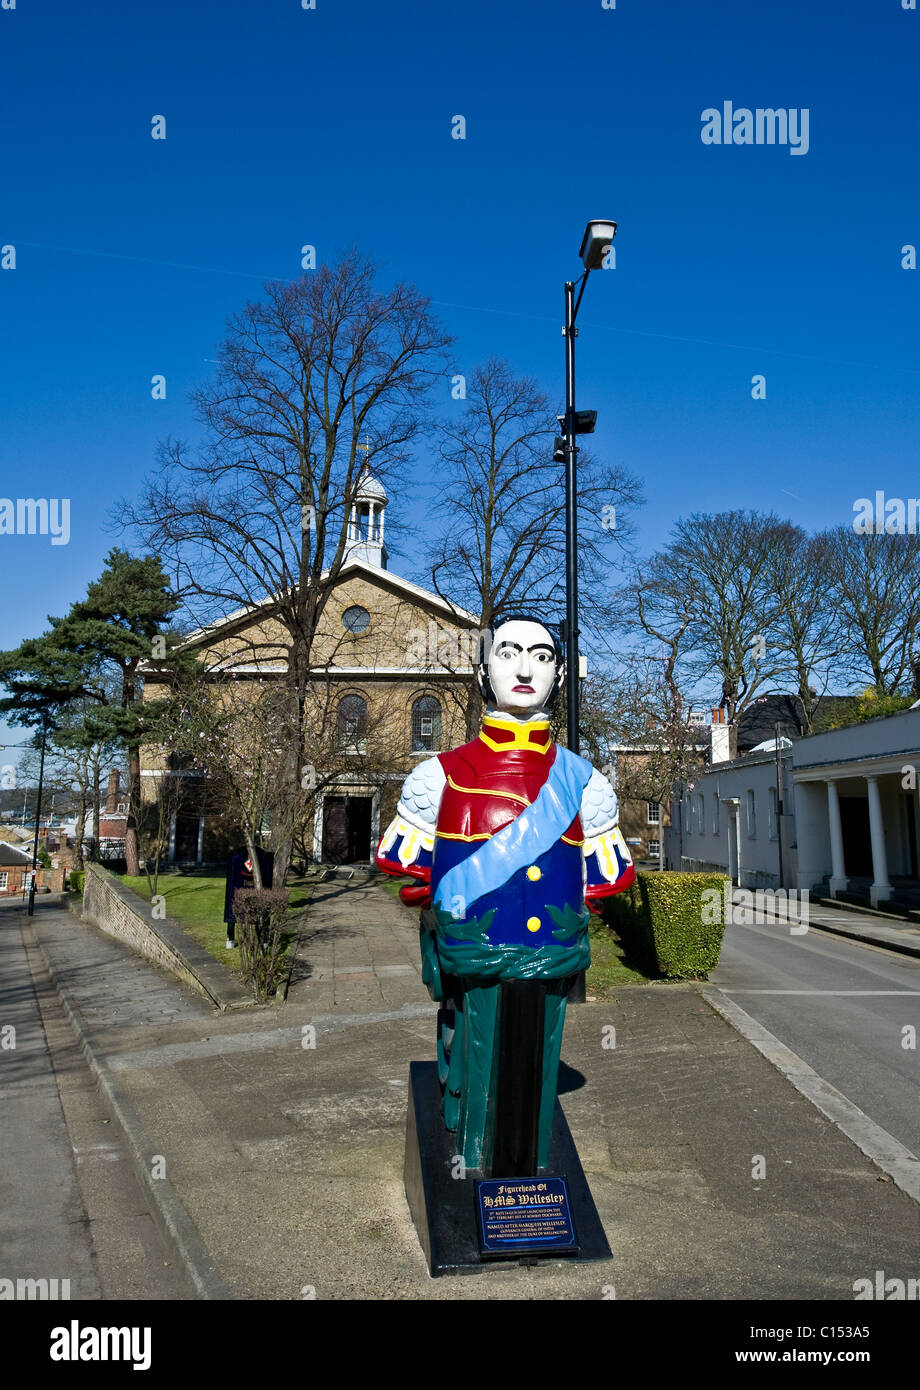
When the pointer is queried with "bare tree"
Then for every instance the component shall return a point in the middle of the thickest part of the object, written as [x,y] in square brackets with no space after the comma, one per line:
[873,585]
[502,541]
[316,383]
[805,628]
[718,572]
[230,732]
[642,708]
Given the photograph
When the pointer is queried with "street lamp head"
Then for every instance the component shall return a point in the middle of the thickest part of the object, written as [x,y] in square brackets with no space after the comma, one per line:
[596,242]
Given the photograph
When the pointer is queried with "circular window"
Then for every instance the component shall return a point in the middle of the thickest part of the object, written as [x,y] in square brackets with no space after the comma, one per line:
[355,619]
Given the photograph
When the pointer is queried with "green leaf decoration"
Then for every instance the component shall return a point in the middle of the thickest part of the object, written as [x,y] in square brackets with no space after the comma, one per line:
[473,929]
[568,922]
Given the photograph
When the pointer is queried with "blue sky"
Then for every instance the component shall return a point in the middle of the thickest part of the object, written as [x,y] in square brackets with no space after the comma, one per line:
[331,126]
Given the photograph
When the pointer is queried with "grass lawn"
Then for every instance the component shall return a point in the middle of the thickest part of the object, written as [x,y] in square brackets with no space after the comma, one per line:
[608,971]
[197,904]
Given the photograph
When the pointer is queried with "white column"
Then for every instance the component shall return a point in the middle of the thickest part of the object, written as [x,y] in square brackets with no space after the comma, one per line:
[838,867]
[734,842]
[200,838]
[881,889]
[171,853]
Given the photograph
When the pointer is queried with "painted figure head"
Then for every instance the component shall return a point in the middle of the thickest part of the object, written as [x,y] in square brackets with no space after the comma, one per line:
[523,667]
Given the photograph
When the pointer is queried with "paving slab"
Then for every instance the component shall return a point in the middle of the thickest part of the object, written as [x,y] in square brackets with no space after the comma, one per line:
[282,1132]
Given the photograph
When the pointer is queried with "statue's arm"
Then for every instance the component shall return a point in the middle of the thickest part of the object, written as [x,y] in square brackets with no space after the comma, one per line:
[407,845]
[608,863]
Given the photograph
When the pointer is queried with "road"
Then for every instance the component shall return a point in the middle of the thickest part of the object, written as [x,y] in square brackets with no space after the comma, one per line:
[845,1007]
[70,1206]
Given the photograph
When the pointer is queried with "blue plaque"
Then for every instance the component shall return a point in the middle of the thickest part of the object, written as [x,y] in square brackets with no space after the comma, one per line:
[525,1216]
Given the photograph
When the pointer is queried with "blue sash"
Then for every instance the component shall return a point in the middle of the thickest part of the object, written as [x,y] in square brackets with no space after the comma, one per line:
[536,830]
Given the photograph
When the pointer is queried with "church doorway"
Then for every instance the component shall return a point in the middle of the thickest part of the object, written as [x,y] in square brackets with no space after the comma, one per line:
[347,829]
[186,842]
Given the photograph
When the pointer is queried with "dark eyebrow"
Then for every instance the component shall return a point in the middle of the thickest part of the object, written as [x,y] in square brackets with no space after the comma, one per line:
[542,647]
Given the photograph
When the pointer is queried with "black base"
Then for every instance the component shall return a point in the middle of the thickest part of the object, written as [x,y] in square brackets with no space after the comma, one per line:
[443,1207]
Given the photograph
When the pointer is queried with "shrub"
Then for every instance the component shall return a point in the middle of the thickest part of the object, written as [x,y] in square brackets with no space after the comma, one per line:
[77,880]
[662,916]
[260,919]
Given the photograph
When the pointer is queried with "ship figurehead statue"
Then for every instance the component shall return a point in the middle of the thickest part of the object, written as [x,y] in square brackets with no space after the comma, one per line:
[510,839]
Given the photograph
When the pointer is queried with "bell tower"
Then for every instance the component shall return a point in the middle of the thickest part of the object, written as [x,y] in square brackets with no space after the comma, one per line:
[365,525]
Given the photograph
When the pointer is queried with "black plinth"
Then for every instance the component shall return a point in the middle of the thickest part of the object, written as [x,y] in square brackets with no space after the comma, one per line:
[443,1207]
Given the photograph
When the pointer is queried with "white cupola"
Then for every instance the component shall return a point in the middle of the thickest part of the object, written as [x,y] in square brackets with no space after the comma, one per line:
[365,526]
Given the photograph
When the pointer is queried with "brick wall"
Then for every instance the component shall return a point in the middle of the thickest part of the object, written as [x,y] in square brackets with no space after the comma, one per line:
[122,914]
[16,877]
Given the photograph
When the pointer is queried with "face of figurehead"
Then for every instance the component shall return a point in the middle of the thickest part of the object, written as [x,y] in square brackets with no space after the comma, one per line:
[522,667]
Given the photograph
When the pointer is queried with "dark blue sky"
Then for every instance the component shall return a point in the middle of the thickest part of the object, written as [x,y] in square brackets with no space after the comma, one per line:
[332,126]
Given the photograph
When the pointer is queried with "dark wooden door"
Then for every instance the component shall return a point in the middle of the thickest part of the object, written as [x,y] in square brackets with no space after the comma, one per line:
[186,838]
[359,829]
[346,829]
[335,830]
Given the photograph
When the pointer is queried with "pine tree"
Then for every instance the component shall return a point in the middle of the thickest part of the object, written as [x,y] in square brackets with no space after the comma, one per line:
[114,632]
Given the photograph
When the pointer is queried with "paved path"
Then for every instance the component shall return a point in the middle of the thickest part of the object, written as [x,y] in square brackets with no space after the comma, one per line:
[70,1208]
[43,1231]
[282,1130]
[359,950]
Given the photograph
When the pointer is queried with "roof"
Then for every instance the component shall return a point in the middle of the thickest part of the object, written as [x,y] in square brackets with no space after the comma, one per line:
[370,489]
[353,565]
[13,857]
[757,724]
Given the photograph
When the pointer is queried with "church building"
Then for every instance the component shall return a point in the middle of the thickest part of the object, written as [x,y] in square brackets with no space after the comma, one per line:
[393,664]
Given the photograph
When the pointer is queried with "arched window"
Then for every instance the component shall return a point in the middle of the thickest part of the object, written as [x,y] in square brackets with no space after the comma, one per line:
[351,724]
[426,725]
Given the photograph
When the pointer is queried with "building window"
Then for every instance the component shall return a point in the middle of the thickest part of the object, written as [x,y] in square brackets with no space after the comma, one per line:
[4,879]
[715,815]
[654,849]
[654,813]
[772,820]
[426,725]
[356,619]
[701,813]
[352,724]
[751,815]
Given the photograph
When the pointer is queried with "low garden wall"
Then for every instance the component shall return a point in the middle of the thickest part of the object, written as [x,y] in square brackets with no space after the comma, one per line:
[119,912]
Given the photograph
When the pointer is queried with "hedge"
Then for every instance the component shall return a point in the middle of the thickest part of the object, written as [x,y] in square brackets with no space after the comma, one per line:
[77,880]
[663,915]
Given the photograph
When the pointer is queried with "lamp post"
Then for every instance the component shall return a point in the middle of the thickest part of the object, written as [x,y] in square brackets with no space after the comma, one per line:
[38,813]
[595,244]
